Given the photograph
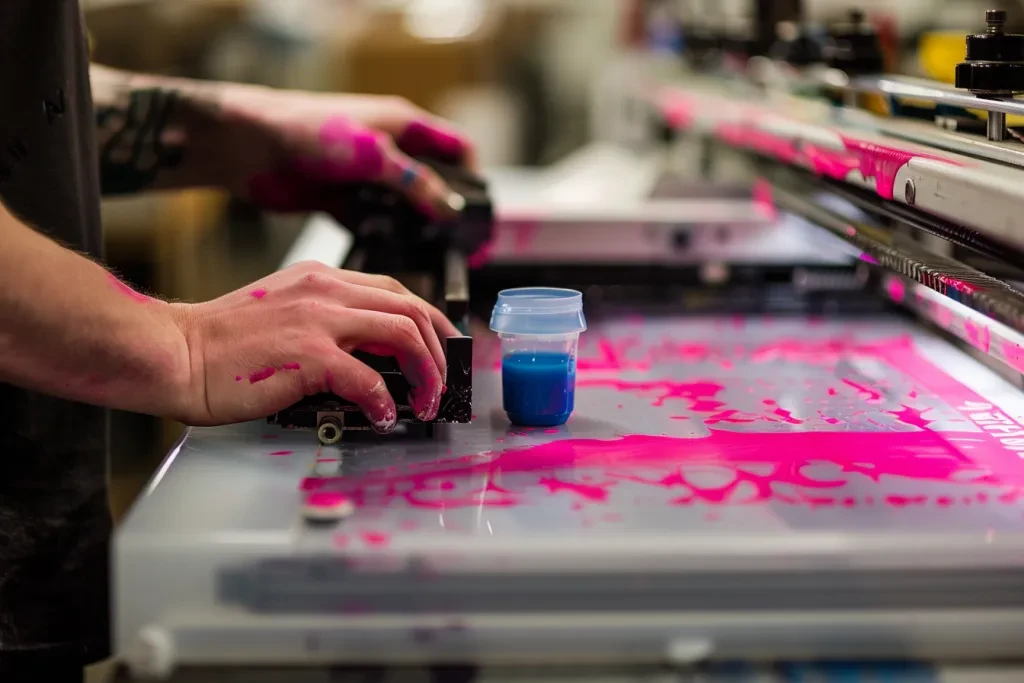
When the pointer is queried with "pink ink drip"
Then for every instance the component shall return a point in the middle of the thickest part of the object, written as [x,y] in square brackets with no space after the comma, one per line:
[126,290]
[260,375]
[867,393]
[764,199]
[258,293]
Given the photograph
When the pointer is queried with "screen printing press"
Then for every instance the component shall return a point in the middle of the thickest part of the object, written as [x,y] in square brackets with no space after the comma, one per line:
[797,439]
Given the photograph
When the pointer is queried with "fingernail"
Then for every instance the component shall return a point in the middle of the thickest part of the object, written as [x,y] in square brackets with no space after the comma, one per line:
[456,202]
[425,404]
[386,424]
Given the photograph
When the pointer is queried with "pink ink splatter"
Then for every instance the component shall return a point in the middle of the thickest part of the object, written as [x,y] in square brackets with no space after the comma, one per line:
[594,493]
[126,290]
[326,499]
[260,375]
[281,453]
[258,293]
[291,366]
[376,539]
[867,393]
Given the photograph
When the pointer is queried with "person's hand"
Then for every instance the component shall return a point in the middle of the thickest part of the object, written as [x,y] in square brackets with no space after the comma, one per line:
[295,149]
[260,349]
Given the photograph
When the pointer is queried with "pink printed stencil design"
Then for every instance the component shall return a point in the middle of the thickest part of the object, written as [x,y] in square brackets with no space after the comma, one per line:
[813,419]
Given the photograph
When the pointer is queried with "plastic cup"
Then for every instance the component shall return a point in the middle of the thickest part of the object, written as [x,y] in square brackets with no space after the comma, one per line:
[539,329]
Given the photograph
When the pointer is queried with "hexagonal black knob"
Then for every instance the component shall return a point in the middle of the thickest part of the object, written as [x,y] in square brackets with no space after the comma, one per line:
[994,62]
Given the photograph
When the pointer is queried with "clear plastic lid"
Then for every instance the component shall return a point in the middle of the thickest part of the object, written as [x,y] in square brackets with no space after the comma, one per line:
[538,310]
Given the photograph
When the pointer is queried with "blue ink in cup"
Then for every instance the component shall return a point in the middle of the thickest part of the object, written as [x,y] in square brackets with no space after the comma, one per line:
[539,329]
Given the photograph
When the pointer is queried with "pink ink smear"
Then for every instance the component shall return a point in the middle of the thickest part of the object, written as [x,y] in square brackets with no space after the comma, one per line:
[281,453]
[260,375]
[126,290]
[258,293]
[326,499]
[978,335]
[291,366]
[764,199]
[376,539]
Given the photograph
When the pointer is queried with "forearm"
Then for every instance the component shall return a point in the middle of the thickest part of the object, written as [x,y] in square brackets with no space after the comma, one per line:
[156,132]
[68,328]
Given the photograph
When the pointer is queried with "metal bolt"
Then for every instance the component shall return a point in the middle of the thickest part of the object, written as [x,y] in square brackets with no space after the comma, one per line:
[910,192]
[995,21]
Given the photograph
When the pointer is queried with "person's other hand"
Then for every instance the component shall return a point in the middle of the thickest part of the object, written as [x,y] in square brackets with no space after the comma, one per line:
[260,349]
[295,149]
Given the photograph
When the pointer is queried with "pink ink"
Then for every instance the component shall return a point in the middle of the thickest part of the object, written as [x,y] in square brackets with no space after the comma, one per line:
[281,453]
[326,499]
[326,460]
[910,416]
[126,290]
[376,539]
[784,415]
[551,431]
[676,109]
[868,258]
[904,501]
[238,378]
[258,293]
[425,138]
[896,289]
[832,391]
[291,366]
[958,285]
[1013,354]
[260,375]
[867,393]
[764,199]
[597,494]
[943,501]
[978,335]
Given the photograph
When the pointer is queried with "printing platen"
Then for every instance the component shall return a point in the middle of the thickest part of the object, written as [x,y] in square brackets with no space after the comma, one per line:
[749,469]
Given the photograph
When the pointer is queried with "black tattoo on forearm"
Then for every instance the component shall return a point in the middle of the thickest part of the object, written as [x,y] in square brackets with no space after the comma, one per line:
[137,140]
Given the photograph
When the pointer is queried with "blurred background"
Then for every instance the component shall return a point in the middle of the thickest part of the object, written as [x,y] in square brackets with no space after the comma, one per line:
[529,80]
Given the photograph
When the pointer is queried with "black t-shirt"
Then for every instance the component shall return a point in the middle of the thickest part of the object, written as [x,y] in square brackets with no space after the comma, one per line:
[54,518]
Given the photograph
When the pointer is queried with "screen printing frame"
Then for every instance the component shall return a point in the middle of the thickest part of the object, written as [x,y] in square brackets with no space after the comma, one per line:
[227,500]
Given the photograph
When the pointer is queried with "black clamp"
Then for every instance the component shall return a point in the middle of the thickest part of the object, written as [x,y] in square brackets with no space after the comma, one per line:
[993,68]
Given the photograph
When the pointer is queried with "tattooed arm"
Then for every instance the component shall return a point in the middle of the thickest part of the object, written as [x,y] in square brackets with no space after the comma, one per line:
[159,133]
[284,150]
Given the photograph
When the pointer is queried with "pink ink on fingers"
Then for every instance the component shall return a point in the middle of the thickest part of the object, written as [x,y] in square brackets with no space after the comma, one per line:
[349,153]
[422,138]
[291,366]
[258,293]
[126,290]
[260,375]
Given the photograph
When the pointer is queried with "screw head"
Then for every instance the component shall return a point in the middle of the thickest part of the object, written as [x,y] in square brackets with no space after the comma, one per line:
[910,192]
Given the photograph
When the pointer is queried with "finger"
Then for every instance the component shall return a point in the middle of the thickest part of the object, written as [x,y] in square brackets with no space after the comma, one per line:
[386,334]
[428,137]
[442,325]
[355,381]
[331,281]
[422,185]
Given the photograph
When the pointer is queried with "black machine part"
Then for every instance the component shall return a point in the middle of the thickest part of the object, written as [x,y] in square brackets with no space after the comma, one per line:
[853,47]
[994,63]
[331,415]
